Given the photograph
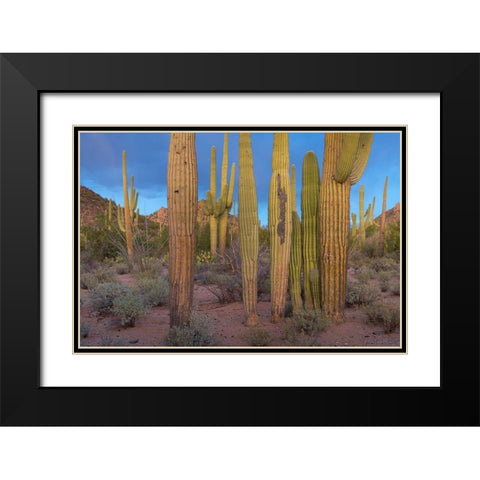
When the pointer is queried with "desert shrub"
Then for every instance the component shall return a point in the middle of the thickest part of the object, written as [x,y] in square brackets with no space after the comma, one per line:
[371,230]
[302,324]
[148,267]
[395,286]
[101,274]
[129,306]
[103,295]
[256,337]
[384,281]
[360,293]
[382,264]
[364,274]
[121,268]
[193,334]
[203,256]
[226,287]
[371,246]
[392,237]
[84,330]
[387,314]
[154,291]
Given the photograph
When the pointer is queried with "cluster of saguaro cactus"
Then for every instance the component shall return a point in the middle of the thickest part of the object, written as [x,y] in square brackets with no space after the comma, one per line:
[218,209]
[381,236]
[182,194]
[345,158]
[310,232]
[361,216]
[295,269]
[279,224]
[248,228]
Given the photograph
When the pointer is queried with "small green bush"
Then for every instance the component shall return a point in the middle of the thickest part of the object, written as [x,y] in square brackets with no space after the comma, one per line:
[364,274]
[193,334]
[302,325]
[121,268]
[384,280]
[360,293]
[395,286]
[256,337]
[227,288]
[103,295]
[154,291]
[108,341]
[380,312]
[129,306]
[101,274]
[149,267]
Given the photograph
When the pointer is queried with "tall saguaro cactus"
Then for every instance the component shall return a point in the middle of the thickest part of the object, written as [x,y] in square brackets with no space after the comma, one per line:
[361,216]
[128,214]
[211,206]
[227,192]
[310,196]
[182,194]
[295,270]
[381,235]
[248,228]
[345,158]
[279,224]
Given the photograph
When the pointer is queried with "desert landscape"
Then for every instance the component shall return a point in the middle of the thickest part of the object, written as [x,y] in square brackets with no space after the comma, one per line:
[205,271]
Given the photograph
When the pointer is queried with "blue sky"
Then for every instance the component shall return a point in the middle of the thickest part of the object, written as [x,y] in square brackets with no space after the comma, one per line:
[147,156]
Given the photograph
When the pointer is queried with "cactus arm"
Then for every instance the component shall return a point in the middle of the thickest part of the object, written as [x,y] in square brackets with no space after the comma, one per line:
[347,157]
[381,236]
[364,147]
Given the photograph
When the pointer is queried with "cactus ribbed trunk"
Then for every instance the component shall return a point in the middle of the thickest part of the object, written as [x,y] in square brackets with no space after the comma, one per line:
[361,217]
[334,227]
[222,221]
[128,214]
[295,271]
[213,191]
[310,196]
[182,195]
[381,235]
[339,159]
[280,225]
[248,228]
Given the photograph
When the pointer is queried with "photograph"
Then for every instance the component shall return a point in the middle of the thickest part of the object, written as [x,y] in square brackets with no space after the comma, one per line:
[239,239]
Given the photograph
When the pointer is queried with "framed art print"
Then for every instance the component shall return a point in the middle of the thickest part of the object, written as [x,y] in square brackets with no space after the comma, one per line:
[185,244]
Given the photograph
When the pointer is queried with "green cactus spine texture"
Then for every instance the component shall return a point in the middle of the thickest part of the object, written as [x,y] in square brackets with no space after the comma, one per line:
[279,224]
[361,216]
[248,228]
[295,269]
[227,194]
[128,214]
[310,197]
[211,203]
[343,165]
[381,237]
[182,195]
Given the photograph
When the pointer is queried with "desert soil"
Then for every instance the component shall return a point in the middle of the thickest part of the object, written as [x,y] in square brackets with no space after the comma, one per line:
[226,323]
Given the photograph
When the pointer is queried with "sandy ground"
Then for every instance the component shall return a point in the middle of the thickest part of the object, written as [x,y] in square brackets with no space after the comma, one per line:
[226,323]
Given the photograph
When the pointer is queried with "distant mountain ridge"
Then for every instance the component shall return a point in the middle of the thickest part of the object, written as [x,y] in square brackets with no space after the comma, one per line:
[92,205]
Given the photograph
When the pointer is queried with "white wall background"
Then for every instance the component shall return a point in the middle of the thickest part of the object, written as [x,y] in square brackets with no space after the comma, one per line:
[218,26]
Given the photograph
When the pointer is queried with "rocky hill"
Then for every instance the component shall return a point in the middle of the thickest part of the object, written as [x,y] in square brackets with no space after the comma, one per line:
[91,205]
[392,215]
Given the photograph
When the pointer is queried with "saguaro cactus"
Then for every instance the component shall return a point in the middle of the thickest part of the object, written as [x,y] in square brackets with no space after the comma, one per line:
[381,235]
[310,196]
[279,225]
[354,226]
[128,214]
[345,158]
[248,228]
[182,194]
[361,217]
[211,206]
[227,192]
[295,270]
